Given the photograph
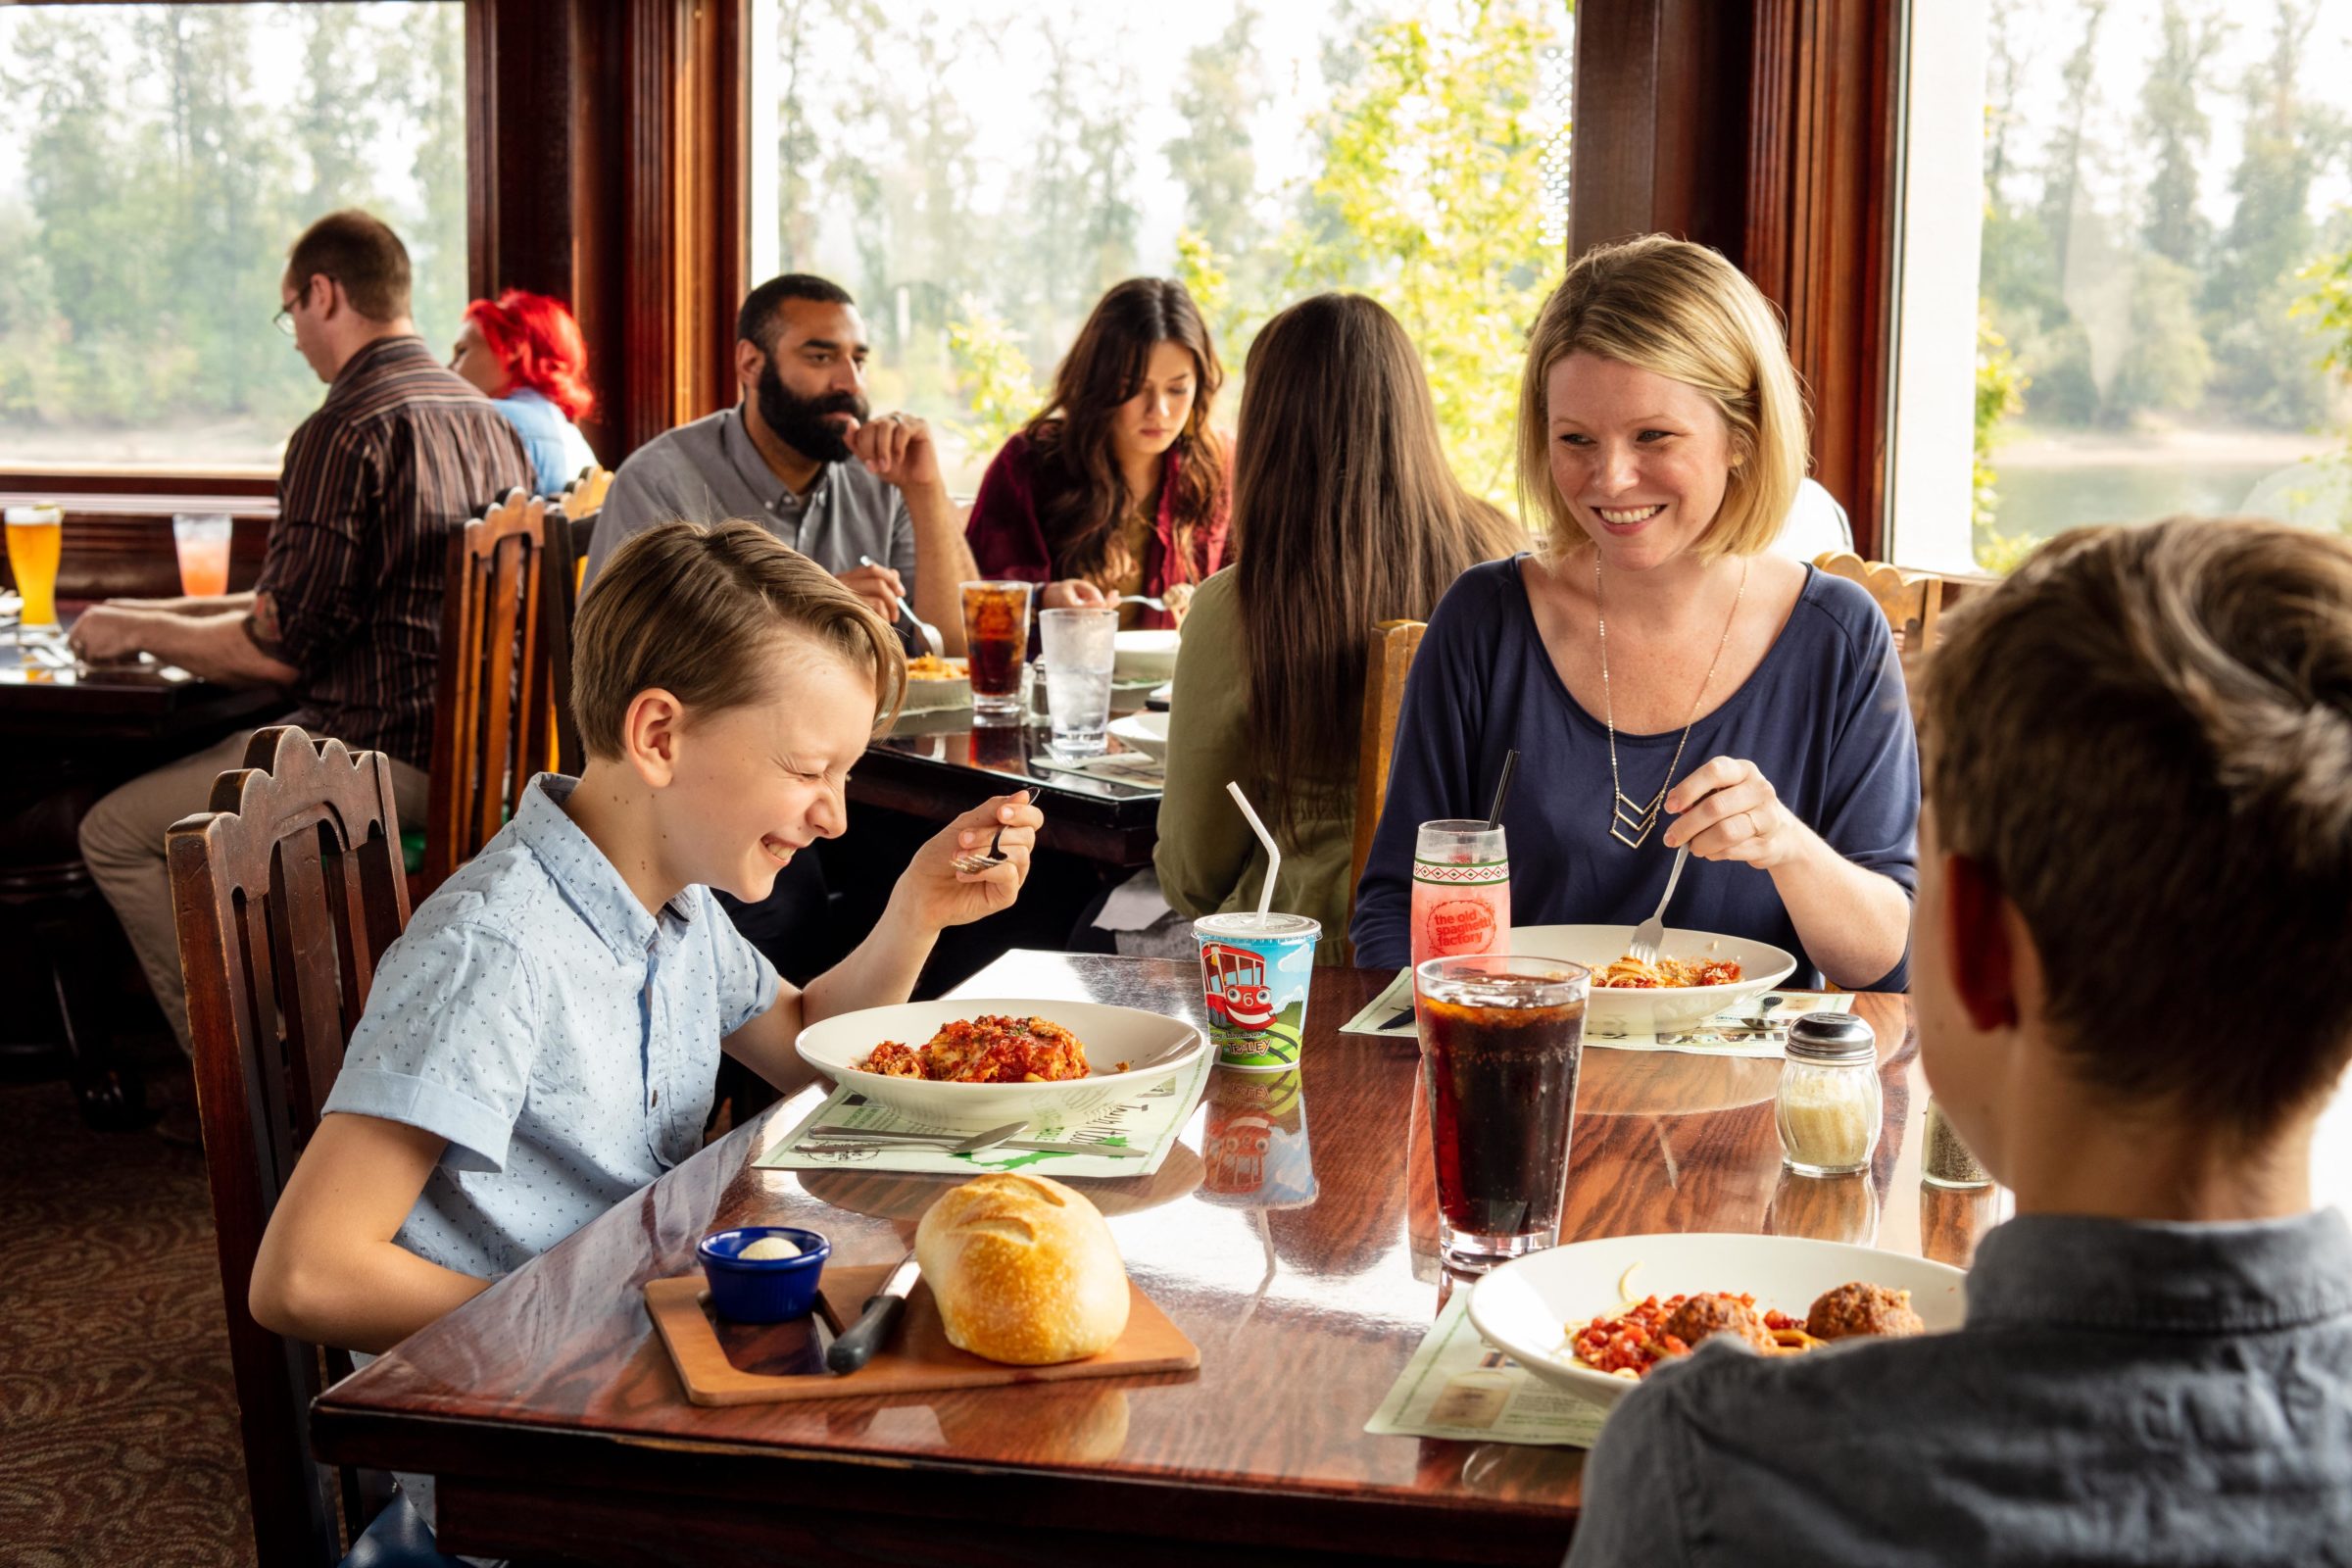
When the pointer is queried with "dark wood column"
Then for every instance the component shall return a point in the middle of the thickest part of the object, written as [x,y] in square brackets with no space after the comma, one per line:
[1661,121]
[1821,227]
[608,170]
[1767,130]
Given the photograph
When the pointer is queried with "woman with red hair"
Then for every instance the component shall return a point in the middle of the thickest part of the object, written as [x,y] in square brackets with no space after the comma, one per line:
[525,353]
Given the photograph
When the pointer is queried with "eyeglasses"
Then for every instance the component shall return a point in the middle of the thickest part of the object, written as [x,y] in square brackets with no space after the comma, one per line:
[284,321]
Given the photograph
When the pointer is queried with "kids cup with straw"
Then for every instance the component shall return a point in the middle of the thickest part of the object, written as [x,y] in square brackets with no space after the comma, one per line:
[1255,969]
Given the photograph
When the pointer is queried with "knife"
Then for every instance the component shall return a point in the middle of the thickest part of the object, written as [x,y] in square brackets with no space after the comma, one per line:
[857,1347]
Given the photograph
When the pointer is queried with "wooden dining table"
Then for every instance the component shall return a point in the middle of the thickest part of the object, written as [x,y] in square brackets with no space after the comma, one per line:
[557,1428]
[80,729]
[936,765]
[47,695]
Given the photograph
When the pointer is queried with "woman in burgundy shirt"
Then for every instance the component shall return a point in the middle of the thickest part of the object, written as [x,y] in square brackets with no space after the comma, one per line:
[1118,487]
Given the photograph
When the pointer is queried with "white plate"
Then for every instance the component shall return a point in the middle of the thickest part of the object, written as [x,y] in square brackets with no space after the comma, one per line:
[1146,733]
[1668,1008]
[1144,655]
[1155,1047]
[1527,1307]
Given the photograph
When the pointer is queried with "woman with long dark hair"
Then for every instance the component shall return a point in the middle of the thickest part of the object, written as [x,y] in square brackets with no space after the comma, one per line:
[1344,513]
[525,353]
[1118,487]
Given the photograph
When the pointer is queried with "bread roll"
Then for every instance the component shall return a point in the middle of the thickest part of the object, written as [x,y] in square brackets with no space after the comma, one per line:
[1024,1270]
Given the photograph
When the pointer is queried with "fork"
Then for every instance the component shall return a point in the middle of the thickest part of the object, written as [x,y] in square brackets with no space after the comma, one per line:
[930,632]
[1148,601]
[1644,949]
[974,861]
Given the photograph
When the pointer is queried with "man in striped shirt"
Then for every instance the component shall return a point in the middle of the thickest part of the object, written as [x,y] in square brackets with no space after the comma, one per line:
[346,616]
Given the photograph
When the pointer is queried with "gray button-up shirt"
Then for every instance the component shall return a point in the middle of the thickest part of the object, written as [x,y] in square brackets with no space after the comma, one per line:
[709,471]
[2141,1393]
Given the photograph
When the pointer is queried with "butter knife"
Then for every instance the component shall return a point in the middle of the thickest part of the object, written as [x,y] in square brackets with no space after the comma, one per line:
[881,1314]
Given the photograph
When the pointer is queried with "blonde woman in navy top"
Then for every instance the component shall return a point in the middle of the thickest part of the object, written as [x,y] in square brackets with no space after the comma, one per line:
[1666,680]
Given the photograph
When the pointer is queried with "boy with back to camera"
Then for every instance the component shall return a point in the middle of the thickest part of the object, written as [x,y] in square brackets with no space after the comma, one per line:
[2133,973]
[543,1039]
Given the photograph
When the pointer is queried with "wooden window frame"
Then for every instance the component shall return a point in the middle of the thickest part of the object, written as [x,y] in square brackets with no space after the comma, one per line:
[1768,130]
[606,151]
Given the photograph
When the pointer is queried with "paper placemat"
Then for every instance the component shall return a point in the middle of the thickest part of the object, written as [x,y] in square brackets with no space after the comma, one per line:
[1116,767]
[1150,1122]
[1758,1030]
[1457,1386]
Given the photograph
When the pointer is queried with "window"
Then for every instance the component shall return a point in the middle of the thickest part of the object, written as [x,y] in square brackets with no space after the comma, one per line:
[155,163]
[2160,262]
[976,172]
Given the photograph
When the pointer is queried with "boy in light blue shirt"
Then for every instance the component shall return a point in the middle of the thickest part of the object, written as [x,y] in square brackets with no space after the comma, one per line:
[543,1039]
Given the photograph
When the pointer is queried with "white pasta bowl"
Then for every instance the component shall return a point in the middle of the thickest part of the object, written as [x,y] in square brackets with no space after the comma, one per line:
[938,694]
[1146,733]
[1153,1047]
[1613,1011]
[1143,655]
[1530,1307]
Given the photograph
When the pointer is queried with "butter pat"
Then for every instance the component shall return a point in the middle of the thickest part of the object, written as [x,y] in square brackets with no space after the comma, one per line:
[768,1249]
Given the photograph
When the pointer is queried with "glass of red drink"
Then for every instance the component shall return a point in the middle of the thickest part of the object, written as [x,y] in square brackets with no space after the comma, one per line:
[995,633]
[1502,1040]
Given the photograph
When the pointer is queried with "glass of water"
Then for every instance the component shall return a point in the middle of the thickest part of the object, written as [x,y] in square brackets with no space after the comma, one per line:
[1080,646]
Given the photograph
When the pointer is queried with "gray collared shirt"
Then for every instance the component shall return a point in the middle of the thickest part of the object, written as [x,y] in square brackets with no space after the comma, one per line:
[709,471]
[2127,1394]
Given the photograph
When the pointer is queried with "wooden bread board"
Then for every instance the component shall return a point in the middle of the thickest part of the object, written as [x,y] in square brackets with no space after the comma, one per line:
[916,1359]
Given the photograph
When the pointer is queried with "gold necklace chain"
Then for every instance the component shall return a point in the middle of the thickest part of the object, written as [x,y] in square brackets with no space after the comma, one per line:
[1633,816]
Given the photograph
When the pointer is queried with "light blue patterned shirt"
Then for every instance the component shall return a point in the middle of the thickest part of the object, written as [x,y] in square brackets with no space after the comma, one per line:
[557,450]
[562,1039]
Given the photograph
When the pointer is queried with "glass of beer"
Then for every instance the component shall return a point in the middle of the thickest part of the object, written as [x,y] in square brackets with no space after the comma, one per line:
[996,631]
[1502,1040]
[202,539]
[36,539]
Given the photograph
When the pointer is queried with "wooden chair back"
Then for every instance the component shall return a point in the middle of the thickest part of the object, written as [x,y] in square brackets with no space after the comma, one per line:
[585,495]
[1391,659]
[494,722]
[1910,600]
[286,891]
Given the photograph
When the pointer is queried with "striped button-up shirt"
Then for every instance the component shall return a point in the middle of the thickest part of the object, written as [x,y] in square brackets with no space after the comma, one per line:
[401,451]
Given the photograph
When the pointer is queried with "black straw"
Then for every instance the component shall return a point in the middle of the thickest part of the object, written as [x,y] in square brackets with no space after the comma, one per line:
[1502,788]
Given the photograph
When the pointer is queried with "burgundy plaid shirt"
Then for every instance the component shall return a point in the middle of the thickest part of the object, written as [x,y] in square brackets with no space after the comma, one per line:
[401,451]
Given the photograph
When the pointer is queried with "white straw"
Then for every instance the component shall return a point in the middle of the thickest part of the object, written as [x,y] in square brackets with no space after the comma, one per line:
[1265,894]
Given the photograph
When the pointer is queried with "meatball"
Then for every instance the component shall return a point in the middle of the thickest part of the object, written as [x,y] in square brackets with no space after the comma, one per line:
[1702,1316]
[1859,1308]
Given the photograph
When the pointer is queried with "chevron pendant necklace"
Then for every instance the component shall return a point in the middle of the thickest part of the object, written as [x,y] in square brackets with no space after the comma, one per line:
[1631,820]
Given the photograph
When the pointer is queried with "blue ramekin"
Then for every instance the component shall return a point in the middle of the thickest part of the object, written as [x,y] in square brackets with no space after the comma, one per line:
[765,1290]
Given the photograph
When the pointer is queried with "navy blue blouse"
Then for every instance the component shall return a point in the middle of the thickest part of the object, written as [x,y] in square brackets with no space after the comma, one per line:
[1823,716]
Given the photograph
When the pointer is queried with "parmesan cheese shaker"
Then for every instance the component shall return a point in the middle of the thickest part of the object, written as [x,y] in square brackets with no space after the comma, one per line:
[1829,1103]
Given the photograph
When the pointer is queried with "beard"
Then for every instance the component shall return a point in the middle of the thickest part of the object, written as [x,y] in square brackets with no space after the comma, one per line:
[801,422]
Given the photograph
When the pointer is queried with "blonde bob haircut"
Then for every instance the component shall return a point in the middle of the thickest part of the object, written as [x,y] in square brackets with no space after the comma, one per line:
[715,615]
[1679,311]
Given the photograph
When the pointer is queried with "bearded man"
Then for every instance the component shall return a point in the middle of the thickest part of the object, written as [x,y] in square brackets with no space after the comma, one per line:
[802,455]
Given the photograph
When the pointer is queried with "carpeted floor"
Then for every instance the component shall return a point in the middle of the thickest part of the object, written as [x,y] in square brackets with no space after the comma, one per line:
[118,1441]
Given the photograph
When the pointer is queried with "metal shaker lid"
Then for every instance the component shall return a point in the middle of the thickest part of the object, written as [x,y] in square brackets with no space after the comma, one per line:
[1837,1037]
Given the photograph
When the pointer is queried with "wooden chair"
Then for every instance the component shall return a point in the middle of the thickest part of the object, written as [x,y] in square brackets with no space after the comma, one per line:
[287,891]
[1910,600]
[495,721]
[585,495]
[1390,659]
[581,501]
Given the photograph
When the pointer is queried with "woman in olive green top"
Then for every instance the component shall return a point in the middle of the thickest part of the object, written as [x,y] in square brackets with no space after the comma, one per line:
[1345,514]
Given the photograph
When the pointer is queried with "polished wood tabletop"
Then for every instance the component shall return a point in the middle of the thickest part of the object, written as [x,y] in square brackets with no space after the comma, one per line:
[45,692]
[937,765]
[552,1417]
